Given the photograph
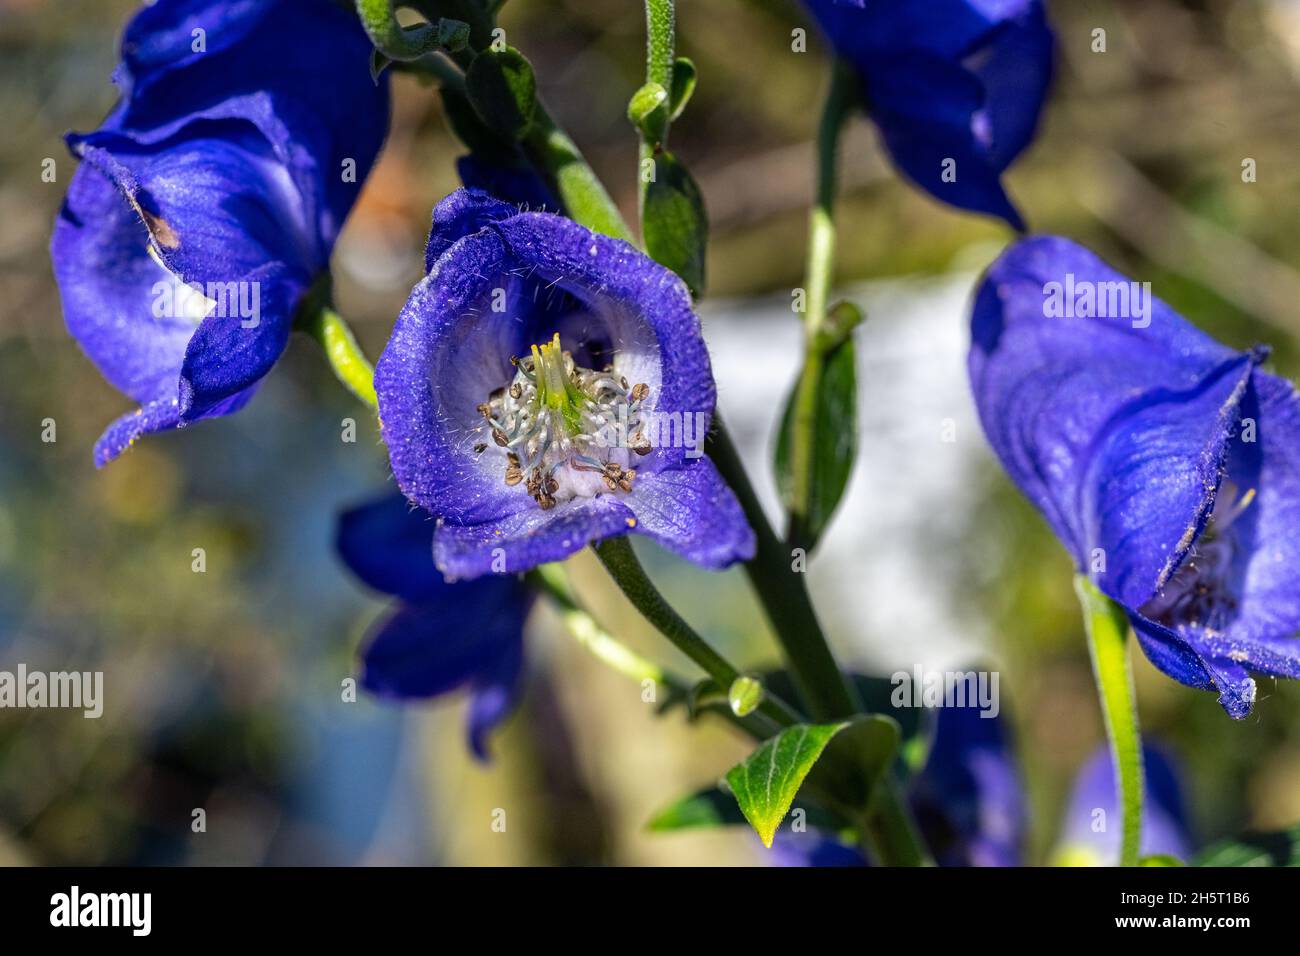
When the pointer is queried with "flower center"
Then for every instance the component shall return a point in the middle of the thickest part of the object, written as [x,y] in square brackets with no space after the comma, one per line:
[565,431]
[1199,595]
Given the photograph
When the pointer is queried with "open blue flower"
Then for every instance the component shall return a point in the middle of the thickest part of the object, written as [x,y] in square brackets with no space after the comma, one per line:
[546,387]
[210,198]
[1092,830]
[1167,463]
[955,86]
[439,636]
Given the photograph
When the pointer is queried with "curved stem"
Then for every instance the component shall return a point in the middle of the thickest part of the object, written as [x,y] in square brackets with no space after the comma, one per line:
[624,567]
[350,365]
[1107,627]
[818,277]
[781,590]
[583,194]
[609,650]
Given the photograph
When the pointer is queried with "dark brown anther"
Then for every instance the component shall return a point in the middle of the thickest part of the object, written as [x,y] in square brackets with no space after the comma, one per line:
[512,459]
[639,391]
[513,476]
[546,502]
[485,410]
[640,444]
[480,448]
[610,483]
[622,380]
[499,437]
[552,486]
[516,390]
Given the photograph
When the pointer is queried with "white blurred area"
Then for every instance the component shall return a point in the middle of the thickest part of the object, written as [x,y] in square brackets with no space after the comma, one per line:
[885,576]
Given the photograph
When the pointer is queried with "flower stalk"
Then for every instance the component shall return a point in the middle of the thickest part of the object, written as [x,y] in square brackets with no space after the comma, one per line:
[819,273]
[1107,628]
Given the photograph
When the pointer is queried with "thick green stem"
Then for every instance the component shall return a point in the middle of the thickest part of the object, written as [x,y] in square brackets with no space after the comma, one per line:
[818,278]
[582,193]
[345,357]
[889,830]
[1107,627]
[781,590]
[624,567]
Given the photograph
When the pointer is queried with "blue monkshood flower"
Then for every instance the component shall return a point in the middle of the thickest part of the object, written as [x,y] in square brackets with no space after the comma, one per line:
[209,199]
[546,387]
[1091,832]
[1167,463]
[967,800]
[955,86]
[439,636]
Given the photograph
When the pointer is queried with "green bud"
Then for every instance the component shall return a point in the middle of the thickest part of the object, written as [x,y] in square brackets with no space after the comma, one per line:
[745,695]
[648,111]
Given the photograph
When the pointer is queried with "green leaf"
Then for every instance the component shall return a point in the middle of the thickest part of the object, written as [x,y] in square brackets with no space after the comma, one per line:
[1279,848]
[708,808]
[858,758]
[501,85]
[673,221]
[684,77]
[765,783]
[835,439]
[716,807]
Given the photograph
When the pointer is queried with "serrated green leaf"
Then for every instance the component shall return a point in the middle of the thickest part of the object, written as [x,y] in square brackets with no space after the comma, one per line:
[673,221]
[501,86]
[765,783]
[835,439]
[1279,848]
[684,77]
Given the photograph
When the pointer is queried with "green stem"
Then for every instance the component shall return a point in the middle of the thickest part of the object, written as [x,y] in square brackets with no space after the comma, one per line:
[549,578]
[781,590]
[660,25]
[344,355]
[818,276]
[609,650]
[624,567]
[890,831]
[660,42]
[1108,628]
[582,193]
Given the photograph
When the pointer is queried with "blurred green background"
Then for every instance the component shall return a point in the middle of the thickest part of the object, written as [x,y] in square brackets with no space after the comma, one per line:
[223,688]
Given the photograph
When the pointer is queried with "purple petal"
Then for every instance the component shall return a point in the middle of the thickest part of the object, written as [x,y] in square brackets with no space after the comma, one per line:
[427,649]
[691,512]
[528,537]
[388,544]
